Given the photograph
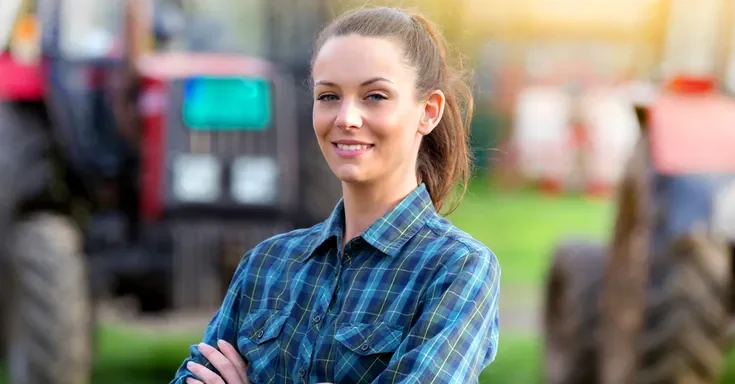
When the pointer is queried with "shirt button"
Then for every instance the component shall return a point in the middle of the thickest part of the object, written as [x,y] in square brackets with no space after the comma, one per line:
[317,318]
[302,372]
[260,334]
[364,347]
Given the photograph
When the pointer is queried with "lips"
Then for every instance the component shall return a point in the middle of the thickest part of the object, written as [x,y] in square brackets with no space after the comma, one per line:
[351,149]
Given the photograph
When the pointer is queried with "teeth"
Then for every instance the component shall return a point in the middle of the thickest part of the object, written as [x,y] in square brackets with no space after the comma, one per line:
[354,147]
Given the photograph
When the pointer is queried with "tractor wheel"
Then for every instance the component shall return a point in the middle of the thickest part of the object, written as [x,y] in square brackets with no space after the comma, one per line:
[24,168]
[24,172]
[50,313]
[685,333]
[570,318]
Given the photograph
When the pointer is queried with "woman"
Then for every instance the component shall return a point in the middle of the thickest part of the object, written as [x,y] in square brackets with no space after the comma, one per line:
[385,290]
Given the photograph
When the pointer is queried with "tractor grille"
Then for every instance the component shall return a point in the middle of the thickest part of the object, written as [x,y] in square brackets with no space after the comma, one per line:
[206,256]
[228,145]
[277,142]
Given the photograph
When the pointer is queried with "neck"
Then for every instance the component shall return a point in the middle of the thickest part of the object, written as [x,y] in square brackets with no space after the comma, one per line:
[366,203]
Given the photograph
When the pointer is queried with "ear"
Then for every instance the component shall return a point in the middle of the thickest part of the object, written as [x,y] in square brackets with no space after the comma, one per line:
[433,112]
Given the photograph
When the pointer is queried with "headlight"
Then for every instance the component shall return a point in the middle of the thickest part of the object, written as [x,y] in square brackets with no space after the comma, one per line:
[723,212]
[254,180]
[196,178]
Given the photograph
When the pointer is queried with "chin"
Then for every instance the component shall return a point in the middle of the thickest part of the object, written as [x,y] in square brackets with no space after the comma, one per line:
[349,174]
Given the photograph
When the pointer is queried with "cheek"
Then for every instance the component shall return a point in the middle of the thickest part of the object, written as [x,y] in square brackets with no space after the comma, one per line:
[322,122]
[387,120]
[399,128]
[397,139]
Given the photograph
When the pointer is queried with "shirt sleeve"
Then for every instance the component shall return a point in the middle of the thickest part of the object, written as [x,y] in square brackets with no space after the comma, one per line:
[223,326]
[456,334]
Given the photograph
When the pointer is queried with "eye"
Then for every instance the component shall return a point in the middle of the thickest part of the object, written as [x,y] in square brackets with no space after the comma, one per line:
[327,97]
[376,97]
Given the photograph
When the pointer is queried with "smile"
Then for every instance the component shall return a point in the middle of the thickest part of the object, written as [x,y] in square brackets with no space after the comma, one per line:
[351,150]
[353,147]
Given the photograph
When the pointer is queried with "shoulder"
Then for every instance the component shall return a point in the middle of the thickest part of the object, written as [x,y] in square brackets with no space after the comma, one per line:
[278,252]
[289,244]
[458,249]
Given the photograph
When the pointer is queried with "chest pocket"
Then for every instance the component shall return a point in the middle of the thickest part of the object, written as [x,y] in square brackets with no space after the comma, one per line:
[259,343]
[365,346]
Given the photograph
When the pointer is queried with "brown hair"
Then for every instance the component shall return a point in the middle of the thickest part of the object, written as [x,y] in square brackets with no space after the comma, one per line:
[444,156]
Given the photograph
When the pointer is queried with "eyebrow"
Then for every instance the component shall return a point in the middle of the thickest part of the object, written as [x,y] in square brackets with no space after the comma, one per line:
[364,83]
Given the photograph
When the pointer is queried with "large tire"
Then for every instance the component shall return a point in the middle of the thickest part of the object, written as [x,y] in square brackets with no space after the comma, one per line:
[24,165]
[24,171]
[51,315]
[570,318]
[688,299]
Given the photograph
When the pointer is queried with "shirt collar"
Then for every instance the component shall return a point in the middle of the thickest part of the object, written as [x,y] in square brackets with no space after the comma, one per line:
[389,233]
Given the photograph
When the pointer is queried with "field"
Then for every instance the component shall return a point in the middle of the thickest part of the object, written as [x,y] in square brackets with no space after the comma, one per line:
[520,227]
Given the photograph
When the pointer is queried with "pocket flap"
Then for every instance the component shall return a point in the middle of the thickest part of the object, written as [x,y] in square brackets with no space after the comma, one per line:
[263,325]
[368,339]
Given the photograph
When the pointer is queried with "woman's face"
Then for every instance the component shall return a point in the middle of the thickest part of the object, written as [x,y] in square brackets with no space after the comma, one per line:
[366,116]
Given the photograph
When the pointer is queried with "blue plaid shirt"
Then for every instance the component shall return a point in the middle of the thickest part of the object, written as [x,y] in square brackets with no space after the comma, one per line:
[411,300]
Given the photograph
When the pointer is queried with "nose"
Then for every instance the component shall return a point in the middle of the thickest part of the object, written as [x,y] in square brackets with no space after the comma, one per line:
[349,116]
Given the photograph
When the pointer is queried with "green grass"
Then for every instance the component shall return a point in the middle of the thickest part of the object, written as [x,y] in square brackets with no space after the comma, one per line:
[128,357]
[518,361]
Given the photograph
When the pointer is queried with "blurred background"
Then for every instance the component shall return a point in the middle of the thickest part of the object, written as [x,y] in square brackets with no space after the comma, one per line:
[134,111]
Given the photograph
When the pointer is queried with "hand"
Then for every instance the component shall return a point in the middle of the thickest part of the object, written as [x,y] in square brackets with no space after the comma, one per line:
[229,363]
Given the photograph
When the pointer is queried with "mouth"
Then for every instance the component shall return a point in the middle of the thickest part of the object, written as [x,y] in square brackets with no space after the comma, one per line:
[353,147]
[351,150]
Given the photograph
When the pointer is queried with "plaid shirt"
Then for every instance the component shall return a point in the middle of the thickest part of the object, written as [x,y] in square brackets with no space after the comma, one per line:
[411,300]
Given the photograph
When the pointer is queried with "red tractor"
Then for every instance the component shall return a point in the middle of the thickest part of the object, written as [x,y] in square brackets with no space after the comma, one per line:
[143,147]
[655,304]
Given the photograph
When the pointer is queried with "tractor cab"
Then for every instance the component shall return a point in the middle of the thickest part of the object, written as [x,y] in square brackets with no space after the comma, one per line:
[84,53]
[655,302]
[690,130]
[169,114]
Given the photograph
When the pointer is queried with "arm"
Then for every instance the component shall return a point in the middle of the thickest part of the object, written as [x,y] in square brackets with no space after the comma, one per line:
[456,334]
[223,326]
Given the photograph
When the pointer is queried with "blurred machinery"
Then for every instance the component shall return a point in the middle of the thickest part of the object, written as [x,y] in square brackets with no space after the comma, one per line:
[655,304]
[144,145]
[558,73]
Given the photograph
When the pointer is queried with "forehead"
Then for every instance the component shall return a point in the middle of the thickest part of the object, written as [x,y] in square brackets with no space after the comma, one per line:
[349,59]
